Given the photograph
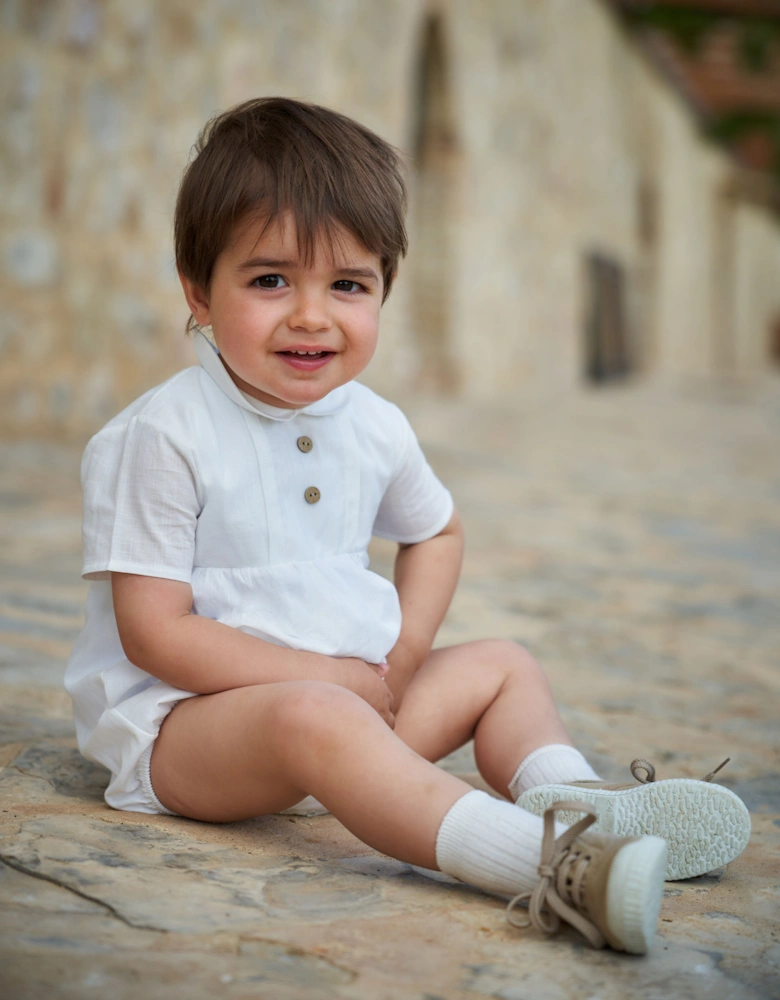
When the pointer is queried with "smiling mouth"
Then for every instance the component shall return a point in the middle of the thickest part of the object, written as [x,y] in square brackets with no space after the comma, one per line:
[306,361]
[305,355]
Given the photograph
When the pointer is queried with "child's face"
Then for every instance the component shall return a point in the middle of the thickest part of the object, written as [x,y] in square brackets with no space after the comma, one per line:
[265,307]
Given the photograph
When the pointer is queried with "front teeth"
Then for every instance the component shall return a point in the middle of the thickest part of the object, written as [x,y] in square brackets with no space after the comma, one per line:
[305,353]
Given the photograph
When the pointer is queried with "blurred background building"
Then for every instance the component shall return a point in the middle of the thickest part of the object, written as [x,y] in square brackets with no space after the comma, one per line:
[595,185]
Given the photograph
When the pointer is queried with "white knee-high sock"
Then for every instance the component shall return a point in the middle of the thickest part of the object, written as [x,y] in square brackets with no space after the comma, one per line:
[490,844]
[554,764]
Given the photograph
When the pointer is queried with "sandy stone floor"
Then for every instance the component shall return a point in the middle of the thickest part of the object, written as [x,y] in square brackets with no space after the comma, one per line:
[630,538]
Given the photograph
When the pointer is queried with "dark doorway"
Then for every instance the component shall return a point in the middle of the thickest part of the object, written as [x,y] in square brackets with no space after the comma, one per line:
[774,340]
[606,338]
[435,153]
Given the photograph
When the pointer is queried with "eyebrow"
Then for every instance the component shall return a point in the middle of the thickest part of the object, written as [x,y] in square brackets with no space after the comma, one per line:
[348,272]
[358,272]
[254,262]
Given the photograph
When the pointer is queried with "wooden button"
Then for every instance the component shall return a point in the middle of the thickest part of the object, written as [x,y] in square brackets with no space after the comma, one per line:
[312,495]
[305,443]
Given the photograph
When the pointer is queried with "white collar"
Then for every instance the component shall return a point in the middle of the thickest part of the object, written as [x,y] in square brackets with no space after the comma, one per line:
[208,355]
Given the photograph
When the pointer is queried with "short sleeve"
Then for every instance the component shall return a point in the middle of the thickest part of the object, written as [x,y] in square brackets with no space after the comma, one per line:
[140,503]
[415,506]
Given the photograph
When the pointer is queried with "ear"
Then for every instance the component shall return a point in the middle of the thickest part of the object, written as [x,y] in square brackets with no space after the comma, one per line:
[196,300]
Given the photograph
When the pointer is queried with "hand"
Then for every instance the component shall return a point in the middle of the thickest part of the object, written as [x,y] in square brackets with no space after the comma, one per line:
[367,681]
[403,664]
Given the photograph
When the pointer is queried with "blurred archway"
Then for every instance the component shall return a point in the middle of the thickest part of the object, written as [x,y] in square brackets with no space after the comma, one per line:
[435,158]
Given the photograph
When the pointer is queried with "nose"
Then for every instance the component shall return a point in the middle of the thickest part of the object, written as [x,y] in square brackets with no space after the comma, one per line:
[310,313]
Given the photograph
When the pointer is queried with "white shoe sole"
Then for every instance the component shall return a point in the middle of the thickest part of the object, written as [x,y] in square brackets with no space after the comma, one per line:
[704,825]
[635,889]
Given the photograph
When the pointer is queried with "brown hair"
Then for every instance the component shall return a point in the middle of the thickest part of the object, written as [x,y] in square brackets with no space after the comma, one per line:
[272,155]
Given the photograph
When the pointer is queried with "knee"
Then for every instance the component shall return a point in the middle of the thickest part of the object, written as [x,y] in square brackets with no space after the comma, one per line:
[313,711]
[510,658]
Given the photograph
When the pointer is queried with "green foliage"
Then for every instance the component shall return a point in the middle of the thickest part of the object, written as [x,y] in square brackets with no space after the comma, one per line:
[688,27]
[758,48]
[758,42]
[731,126]
[759,37]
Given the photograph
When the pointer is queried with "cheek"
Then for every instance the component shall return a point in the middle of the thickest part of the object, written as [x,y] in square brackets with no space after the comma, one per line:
[369,327]
[247,321]
[367,339]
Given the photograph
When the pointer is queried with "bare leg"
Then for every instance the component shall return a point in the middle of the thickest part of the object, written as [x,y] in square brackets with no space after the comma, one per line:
[491,690]
[255,750]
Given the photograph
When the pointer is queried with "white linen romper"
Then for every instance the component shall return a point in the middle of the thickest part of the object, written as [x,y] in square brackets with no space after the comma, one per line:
[196,482]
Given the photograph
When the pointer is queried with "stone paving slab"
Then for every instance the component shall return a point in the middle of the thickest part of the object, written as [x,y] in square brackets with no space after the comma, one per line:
[630,538]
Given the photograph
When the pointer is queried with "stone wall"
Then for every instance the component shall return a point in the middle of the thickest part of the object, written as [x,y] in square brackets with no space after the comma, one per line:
[756,314]
[543,136]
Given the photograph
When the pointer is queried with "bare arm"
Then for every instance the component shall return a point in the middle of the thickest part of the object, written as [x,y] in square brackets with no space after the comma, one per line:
[426,575]
[160,635]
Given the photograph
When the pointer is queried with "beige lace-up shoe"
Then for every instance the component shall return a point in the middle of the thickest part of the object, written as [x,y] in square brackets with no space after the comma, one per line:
[608,888]
[704,825]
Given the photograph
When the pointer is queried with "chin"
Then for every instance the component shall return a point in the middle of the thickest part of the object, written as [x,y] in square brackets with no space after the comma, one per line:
[306,399]
[300,399]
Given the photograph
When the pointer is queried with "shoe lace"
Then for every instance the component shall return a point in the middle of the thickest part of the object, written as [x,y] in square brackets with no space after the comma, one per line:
[640,764]
[563,867]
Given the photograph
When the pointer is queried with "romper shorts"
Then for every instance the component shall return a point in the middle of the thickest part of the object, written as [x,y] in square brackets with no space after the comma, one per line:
[123,741]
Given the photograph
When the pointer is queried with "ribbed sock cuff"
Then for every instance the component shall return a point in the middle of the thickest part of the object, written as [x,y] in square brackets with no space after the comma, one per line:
[490,844]
[552,764]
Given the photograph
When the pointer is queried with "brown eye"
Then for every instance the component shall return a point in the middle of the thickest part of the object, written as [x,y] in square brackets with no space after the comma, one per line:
[347,286]
[269,281]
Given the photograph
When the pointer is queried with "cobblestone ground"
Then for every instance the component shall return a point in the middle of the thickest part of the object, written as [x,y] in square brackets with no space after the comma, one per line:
[630,538]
